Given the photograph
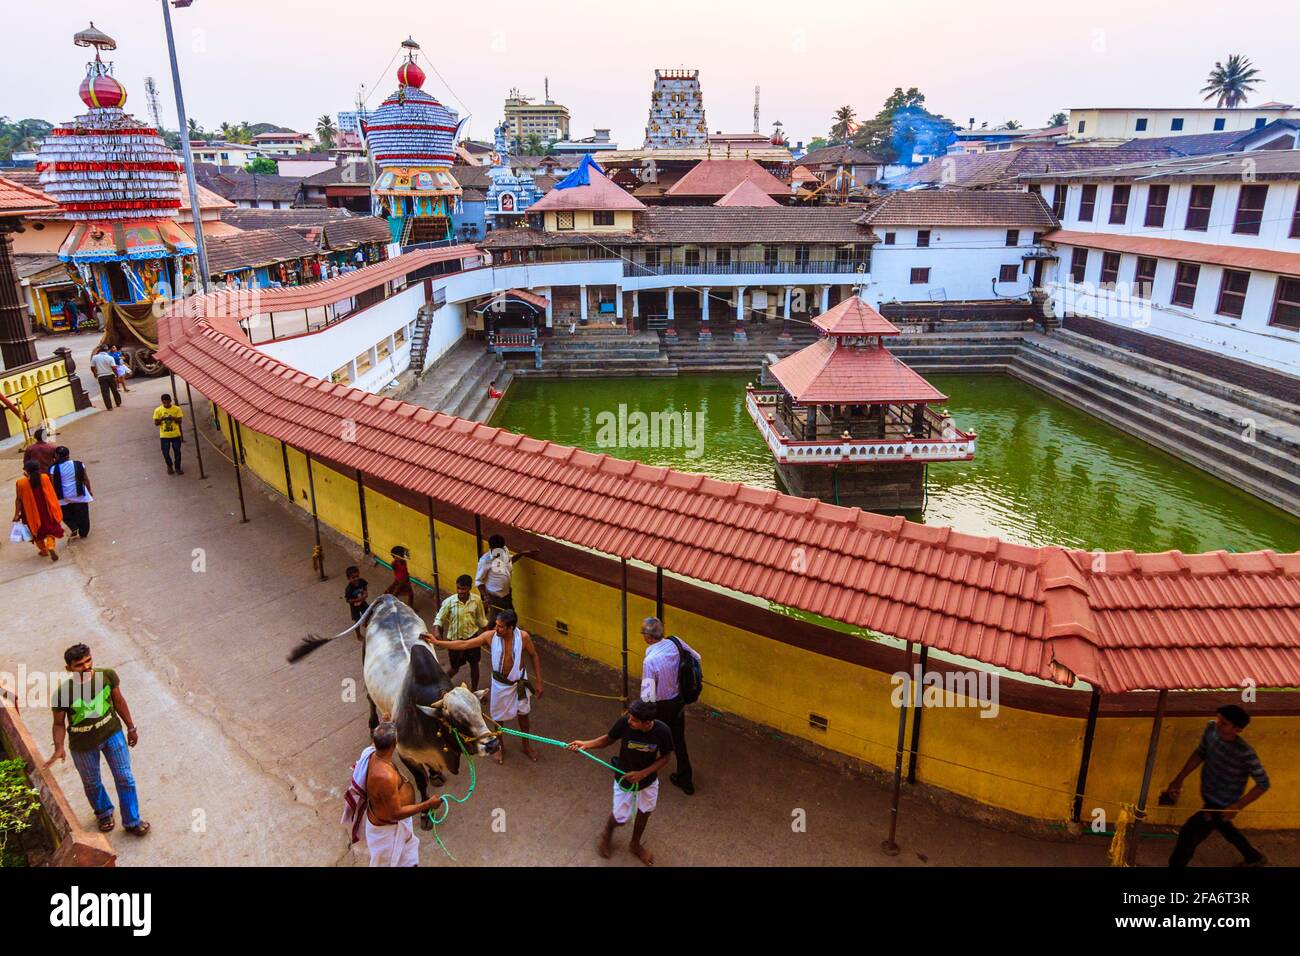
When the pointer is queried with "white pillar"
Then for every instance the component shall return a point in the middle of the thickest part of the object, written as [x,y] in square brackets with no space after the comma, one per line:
[740,304]
[550,306]
[826,298]
[704,306]
[582,303]
[636,304]
[788,290]
[618,303]
[669,295]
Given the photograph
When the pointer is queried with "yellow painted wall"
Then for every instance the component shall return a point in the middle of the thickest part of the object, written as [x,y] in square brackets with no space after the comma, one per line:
[582,222]
[1022,761]
[51,381]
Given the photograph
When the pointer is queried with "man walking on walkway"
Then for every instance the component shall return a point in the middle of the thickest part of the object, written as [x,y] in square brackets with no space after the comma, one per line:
[88,712]
[1227,762]
[645,746]
[494,575]
[659,686]
[105,369]
[40,451]
[461,617]
[167,417]
[72,485]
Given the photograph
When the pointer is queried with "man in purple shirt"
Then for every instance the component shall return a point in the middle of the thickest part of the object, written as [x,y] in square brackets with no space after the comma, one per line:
[659,686]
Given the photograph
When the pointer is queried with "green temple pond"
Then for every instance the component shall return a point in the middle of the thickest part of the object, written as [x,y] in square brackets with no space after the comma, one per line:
[1045,473]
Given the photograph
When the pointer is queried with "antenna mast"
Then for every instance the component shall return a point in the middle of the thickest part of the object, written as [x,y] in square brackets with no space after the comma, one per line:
[755,109]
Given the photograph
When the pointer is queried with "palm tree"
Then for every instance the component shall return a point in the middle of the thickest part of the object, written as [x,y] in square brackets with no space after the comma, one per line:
[1058,119]
[227,131]
[1011,124]
[196,131]
[326,131]
[844,126]
[533,146]
[1231,82]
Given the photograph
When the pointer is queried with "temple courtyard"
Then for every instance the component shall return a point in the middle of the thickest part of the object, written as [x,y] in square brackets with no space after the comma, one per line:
[243,759]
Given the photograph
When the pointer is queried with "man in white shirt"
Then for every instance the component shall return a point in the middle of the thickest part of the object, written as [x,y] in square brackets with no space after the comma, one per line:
[659,686]
[105,369]
[72,485]
[493,576]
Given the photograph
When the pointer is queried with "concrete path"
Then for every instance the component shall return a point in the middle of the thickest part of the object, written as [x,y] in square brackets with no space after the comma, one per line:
[242,759]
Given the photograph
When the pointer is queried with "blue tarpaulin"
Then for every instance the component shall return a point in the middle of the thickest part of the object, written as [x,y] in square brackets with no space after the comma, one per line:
[580,176]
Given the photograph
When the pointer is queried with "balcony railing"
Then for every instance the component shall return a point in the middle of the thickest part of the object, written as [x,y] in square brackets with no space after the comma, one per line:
[808,267]
[954,445]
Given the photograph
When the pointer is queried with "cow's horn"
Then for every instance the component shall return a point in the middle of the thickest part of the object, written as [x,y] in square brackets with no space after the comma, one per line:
[434,711]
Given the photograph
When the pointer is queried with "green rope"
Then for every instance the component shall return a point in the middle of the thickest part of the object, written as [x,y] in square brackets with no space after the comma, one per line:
[447,799]
[560,743]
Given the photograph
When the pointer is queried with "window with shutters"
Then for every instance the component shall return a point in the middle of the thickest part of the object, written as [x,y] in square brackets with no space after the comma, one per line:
[1198,208]
[1087,202]
[1157,203]
[1059,195]
[722,257]
[1250,210]
[1078,264]
[1185,284]
[692,257]
[1008,273]
[1232,293]
[920,276]
[1013,237]
[1119,204]
[1144,276]
[1295,220]
[771,256]
[1286,304]
[922,238]
[891,236]
[1109,268]
[602,217]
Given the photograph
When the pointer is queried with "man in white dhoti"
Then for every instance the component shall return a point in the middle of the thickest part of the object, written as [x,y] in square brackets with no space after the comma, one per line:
[513,684]
[379,796]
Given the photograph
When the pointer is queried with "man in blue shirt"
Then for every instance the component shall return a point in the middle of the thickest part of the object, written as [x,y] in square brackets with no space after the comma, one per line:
[1226,762]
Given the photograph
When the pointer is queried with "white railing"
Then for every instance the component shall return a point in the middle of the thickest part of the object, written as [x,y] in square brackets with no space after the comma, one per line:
[788,451]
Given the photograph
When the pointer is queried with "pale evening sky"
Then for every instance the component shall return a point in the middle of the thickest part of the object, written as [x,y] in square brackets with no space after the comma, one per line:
[288,61]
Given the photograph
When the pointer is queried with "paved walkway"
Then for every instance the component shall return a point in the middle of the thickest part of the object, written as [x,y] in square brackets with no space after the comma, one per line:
[242,759]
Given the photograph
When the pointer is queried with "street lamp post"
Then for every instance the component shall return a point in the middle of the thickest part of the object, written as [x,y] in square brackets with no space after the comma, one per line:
[195,213]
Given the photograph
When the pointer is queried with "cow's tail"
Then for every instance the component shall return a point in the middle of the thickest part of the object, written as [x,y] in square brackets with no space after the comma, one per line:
[313,641]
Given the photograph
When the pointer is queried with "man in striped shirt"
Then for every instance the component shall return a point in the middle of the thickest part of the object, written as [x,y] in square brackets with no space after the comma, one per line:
[1226,763]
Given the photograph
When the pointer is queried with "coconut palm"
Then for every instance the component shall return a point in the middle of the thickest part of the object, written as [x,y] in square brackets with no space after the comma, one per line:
[845,124]
[1011,124]
[326,131]
[1057,119]
[1231,82]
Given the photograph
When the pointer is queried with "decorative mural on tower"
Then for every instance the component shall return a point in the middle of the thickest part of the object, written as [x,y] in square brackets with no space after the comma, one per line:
[676,111]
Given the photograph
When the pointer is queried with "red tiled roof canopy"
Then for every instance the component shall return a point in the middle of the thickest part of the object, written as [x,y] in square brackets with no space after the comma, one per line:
[717,177]
[1234,257]
[746,193]
[854,316]
[599,193]
[538,302]
[826,374]
[18,200]
[1121,621]
[960,207]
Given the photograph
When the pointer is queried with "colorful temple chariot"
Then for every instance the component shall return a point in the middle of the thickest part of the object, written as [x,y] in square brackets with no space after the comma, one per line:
[117,180]
[412,140]
[850,423]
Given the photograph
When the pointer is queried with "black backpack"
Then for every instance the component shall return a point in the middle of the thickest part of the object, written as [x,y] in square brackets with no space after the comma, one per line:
[690,676]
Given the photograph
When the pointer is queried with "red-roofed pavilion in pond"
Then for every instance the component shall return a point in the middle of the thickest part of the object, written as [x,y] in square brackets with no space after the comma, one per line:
[848,422]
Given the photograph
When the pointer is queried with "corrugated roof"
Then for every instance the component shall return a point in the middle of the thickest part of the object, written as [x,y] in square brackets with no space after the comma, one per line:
[979,170]
[717,177]
[1120,621]
[1234,257]
[825,374]
[956,207]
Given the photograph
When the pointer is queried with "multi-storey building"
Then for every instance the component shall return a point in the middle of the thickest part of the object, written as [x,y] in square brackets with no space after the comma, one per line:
[1195,260]
[1122,123]
[676,111]
[547,120]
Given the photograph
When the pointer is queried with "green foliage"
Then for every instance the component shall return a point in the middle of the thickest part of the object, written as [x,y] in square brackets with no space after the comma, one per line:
[263,166]
[20,136]
[19,800]
[904,126]
[817,142]
[533,145]
[844,126]
[326,131]
[1230,83]
[1058,119]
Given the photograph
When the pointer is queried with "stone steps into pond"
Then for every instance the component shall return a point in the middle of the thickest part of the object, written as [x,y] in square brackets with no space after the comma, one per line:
[1250,461]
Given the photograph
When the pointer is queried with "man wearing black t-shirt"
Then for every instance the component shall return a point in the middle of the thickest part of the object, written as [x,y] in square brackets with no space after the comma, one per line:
[645,746]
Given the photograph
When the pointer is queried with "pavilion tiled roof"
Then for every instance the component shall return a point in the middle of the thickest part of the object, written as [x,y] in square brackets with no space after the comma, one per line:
[1121,621]
[984,170]
[339,234]
[1208,253]
[854,316]
[824,374]
[844,154]
[302,216]
[717,177]
[746,193]
[599,194]
[959,207]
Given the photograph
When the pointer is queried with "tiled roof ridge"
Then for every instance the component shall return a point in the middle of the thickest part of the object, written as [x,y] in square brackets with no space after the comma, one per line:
[1045,611]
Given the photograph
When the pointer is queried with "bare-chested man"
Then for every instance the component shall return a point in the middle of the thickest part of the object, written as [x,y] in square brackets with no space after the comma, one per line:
[391,804]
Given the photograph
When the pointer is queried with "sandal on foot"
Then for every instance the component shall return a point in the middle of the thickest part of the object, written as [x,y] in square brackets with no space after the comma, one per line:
[139,829]
[106,825]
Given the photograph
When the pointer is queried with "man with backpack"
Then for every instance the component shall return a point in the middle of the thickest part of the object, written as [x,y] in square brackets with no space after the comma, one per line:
[670,679]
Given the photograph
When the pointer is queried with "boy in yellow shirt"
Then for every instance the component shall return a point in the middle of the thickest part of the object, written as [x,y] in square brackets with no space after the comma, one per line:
[167,417]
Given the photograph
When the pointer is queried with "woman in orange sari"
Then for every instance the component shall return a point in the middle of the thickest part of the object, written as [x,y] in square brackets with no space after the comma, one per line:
[37,506]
